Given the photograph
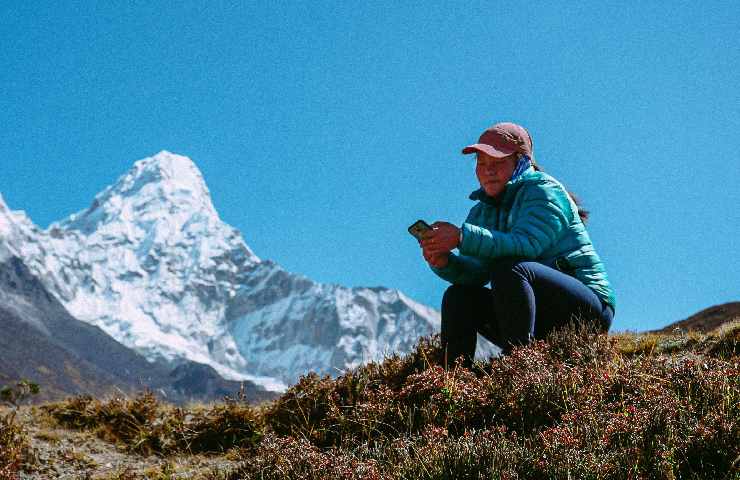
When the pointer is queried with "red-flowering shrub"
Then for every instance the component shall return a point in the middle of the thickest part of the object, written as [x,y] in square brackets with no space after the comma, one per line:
[574,405]
[579,405]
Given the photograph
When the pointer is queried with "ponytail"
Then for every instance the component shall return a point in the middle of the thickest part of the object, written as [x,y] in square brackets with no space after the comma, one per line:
[582,212]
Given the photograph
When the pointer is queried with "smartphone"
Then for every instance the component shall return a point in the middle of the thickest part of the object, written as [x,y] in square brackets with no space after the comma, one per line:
[418,229]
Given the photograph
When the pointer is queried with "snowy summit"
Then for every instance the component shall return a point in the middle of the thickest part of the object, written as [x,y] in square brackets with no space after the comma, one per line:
[152,264]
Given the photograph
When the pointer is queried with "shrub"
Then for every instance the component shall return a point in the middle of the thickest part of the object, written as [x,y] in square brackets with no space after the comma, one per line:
[145,426]
[13,439]
[215,430]
[13,445]
[22,390]
[578,405]
[360,405]
[726,342]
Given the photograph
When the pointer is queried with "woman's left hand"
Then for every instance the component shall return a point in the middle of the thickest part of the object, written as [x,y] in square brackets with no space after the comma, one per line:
[443,238]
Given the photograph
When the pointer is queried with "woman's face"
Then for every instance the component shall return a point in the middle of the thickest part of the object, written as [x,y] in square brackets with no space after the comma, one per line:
[493,173]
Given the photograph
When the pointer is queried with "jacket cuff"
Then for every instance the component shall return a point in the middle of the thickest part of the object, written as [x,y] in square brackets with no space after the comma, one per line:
[447,269]
[472,237]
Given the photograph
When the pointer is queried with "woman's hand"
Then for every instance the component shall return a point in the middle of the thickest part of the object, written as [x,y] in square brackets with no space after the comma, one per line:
[436,260]
[438,243]
[443,238]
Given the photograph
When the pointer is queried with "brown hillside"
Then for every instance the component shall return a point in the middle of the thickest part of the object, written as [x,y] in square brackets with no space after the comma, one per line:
[707,319]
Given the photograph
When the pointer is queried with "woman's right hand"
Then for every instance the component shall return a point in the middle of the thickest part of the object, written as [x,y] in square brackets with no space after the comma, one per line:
[433,257]
[439,261]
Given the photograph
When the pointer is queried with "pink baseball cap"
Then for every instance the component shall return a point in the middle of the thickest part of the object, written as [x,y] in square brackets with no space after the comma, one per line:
[501,140]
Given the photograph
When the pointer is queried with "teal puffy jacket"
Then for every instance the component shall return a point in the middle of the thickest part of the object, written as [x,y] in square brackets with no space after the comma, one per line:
[535,220]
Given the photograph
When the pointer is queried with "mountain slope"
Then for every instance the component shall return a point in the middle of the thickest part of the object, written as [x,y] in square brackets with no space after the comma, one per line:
[151,264]
[43,343]
[706,320]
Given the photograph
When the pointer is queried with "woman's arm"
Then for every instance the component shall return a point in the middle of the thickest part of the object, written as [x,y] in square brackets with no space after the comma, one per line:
[458,269]
[541,219]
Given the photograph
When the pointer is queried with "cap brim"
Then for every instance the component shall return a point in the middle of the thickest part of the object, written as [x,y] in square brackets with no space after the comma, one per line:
[487,149]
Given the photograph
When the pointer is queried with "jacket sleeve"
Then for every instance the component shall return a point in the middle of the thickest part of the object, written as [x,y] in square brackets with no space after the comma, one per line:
[463,270]
[541,219]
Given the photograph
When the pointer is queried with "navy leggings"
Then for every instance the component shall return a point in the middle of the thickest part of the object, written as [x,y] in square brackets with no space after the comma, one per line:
[527,300]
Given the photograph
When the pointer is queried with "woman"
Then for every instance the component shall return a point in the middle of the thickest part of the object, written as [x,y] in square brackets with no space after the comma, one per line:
[525,236]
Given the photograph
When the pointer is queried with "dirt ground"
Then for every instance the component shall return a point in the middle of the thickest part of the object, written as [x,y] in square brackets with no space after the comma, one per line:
[58,453]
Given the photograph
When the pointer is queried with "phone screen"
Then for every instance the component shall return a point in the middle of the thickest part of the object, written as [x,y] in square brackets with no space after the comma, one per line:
[418,228]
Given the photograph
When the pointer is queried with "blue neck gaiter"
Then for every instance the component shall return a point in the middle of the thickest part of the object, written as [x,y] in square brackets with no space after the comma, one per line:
[523,164]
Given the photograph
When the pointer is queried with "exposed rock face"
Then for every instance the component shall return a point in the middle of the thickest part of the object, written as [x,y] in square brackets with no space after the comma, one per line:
[151,264]
[293,325]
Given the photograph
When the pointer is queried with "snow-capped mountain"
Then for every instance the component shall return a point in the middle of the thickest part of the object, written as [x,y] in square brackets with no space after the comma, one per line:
[151,263]
[43,343]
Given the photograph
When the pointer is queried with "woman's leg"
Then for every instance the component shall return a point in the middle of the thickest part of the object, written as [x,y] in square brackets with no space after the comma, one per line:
[531,299]
[466,311]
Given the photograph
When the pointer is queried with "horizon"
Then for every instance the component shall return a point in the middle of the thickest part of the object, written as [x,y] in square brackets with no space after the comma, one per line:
[322,140]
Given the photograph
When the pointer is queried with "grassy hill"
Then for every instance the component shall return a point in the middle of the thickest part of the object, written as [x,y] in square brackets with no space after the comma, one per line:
[581,406]
[707,319]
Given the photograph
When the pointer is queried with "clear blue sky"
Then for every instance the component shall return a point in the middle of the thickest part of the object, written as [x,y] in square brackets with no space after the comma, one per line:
[323,129]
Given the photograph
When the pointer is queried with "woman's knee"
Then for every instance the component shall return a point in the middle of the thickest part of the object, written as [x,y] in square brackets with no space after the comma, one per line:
[456,295]
[512,272]
[463,305]
[511,276]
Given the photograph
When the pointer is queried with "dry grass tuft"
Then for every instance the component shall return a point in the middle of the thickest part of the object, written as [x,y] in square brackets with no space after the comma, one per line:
[145,426]
[13,446]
